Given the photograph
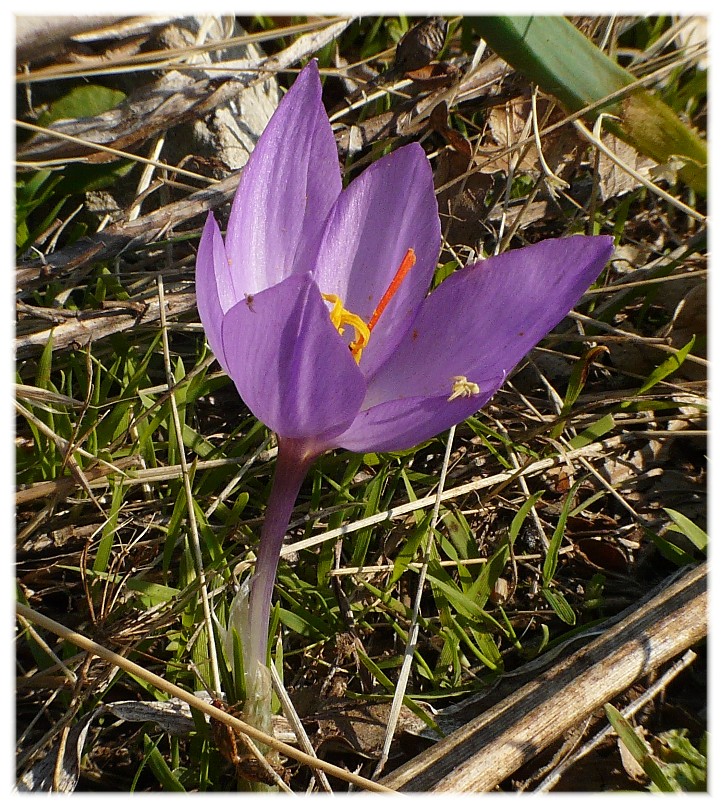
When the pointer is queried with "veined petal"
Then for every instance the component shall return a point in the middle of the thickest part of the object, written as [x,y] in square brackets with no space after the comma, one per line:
[477,325]
[388,209]
[215,291]
[484,319]
[406,422]
[289,364]
[285,192]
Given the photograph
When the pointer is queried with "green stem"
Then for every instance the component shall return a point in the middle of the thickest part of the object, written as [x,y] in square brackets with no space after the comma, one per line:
[294,460]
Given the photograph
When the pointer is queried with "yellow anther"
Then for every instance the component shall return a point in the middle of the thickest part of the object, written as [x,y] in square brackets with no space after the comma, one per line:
[340,318]
[463,388]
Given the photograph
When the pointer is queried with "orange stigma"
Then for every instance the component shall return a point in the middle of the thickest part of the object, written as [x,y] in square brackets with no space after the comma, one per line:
[405,267]
[403,270]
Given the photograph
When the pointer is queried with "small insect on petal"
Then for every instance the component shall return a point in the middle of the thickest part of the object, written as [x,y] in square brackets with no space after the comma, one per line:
[463,388]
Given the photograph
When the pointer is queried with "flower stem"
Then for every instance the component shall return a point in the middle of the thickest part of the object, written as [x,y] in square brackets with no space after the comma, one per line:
[294,460]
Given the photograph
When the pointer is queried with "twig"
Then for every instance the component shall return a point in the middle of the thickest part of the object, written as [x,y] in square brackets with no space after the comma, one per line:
[192,700]
[166,57]
[597,142]
[119,153]
[147,175]
[603,326]
[400,691]
[630,710]
[69,674]
[491,747]
[195,541]
[292,716]
[553,180]
[88,326]
[480,484]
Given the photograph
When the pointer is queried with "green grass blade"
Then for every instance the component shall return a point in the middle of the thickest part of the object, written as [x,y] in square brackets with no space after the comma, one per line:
[638,749]
[577,381]
[559,604]
[594,431]
[552,53]
[559,58]
[160,768]
[102,556]
[668,366]
[688,528]
[552,558]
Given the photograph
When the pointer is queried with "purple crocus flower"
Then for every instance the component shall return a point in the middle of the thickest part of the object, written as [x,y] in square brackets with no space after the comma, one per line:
[316,306]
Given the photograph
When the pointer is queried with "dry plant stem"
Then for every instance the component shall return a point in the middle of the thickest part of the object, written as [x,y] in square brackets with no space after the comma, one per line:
[445,564]
[69,674]
[636,284]
[32,394]
[597,142]
[292,716]
[147,175]
[609,487]
[155,60]
[65,485]
[264,763]
[91,326]
[61,227]
[62,444]
[98,477]
[516,465]
[593,449]
[192,524]
[238,476]
[553,180]
[414,631]
[660,684]
[197,703]
[634,338]
[119,153]
[501,242]
[67,448]
[491,747]
[22,738]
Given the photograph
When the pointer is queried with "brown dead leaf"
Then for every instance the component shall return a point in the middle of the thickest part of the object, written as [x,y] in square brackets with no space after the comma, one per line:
[438,120]
[690,319]
[631,465]
[630,764]
[602,555]
[357,726]
[614,180]
[433,76]
[461,205]
[510,123]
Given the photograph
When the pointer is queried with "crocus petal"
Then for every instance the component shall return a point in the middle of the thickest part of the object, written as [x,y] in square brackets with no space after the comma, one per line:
[288,362]
[478,325]
[404,423]
[485,318]
[286,190]
[215,292]
[388,209]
